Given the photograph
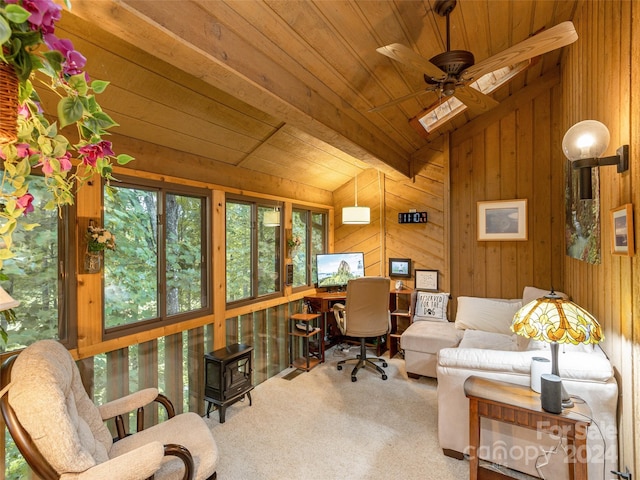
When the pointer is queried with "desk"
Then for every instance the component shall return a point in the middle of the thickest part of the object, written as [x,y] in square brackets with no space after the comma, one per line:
[519,405]
[322,302]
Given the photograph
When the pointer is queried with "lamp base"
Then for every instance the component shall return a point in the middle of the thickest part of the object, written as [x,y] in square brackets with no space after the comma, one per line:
[566,399]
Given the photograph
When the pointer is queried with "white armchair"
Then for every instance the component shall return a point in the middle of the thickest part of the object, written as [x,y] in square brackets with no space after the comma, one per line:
[62,435]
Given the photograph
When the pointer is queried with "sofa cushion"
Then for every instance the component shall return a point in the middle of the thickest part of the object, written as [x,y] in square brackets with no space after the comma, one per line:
[488,340]
[430,337]
[487,314]
[431,306]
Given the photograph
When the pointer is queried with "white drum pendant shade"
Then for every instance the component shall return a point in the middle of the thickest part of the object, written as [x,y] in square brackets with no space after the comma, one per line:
[356,215]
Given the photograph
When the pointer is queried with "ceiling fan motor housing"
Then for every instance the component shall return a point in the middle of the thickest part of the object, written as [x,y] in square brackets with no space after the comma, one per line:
[453,62]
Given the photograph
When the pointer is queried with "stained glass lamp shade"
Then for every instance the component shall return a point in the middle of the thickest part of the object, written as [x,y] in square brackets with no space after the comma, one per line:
[556,320]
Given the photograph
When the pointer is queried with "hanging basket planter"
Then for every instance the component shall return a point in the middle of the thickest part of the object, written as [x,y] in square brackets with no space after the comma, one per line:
[8,103]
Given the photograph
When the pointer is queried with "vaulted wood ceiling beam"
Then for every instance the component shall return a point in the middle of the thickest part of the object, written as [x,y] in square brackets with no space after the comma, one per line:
[194,41]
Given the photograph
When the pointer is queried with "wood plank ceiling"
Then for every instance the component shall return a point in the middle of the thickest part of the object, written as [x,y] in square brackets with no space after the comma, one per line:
[285,87]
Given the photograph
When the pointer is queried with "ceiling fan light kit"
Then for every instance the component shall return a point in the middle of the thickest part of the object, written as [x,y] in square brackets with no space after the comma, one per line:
[454,73]
[443,110]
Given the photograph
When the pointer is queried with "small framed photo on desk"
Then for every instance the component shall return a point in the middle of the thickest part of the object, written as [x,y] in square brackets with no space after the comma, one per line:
[427,280]
[400,267]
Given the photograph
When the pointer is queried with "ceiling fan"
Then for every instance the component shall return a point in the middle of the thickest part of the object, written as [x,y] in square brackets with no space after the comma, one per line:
[451,73]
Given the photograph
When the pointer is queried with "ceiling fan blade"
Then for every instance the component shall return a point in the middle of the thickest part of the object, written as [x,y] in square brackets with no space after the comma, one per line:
[399,100]
[405,55]
[476,101]
[556,37]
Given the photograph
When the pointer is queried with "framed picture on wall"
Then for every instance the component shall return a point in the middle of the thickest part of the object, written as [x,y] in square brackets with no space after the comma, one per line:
[427,280]
[622,230]
[502,220]
[400,267]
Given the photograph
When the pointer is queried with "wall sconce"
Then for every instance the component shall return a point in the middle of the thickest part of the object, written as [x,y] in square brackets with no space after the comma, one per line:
[271,218]
[583,144]
[356,215]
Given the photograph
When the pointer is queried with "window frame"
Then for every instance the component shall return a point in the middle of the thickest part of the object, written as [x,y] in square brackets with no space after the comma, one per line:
[256,203]
[165,188]
[65,277]
[311,256]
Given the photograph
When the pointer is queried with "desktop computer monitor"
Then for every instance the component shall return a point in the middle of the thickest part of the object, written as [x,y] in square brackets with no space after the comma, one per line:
[336,269]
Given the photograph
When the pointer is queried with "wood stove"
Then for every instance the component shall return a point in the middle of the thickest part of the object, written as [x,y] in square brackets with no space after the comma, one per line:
[227,377]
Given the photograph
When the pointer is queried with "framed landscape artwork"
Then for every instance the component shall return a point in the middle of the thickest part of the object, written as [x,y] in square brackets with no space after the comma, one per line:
[502,220]
[622,230]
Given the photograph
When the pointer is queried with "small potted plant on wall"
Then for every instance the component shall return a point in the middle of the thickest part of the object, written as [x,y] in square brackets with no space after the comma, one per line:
[99,239]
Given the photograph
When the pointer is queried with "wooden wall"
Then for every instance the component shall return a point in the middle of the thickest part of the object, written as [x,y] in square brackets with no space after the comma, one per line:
[384,238]
[600,74]
[509,153]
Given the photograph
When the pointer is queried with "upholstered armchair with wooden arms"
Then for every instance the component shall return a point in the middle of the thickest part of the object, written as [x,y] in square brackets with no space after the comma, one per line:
[61,433]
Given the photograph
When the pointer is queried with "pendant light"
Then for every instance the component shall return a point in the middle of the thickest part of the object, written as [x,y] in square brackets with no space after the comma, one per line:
[356,215]
[271,218]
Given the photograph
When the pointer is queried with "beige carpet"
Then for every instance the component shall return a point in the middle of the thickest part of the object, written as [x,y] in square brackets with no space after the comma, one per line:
[320,425]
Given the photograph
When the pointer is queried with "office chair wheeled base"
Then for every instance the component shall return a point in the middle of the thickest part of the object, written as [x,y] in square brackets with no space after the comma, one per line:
[362,361]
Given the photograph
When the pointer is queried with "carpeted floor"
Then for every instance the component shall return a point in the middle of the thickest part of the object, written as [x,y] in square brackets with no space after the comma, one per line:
[320,425]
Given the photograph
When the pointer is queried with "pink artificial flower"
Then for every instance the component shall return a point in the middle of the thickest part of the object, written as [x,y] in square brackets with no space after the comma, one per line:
[91,153]
[74,61]
[23,111]
[24,150]
[44,14]
[26,202]
[65,162]
[45,162]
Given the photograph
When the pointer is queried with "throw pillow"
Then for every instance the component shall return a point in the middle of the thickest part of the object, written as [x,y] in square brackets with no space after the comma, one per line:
[431,306]
[487,314]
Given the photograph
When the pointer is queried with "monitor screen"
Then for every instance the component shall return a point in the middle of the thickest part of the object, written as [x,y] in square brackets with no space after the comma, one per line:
[336,269]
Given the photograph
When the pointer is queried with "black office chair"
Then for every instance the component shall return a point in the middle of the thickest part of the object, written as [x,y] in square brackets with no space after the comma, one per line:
[365,315]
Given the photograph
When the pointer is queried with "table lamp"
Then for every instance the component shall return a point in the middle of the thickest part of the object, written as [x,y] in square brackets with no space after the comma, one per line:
[556,320]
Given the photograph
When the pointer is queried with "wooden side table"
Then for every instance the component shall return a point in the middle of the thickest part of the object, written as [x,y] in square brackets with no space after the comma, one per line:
[310,357]
[519,405]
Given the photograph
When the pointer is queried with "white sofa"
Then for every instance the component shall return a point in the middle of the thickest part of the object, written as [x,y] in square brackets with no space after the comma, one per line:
[488,349]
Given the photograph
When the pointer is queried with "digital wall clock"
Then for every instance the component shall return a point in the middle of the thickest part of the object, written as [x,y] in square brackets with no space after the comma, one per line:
[412,217]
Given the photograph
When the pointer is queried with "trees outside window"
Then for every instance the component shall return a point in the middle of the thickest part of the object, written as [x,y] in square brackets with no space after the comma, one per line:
[38,276]
[311,228]
[160,269]
[253,251]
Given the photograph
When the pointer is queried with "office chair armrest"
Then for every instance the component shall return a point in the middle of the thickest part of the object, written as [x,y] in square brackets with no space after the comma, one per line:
[341,316]
[138,464]
[128,403]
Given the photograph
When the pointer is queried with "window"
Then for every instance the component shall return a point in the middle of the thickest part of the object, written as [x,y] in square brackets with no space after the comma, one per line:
[37,276]
[311,228]
[160,269]
[252,250]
